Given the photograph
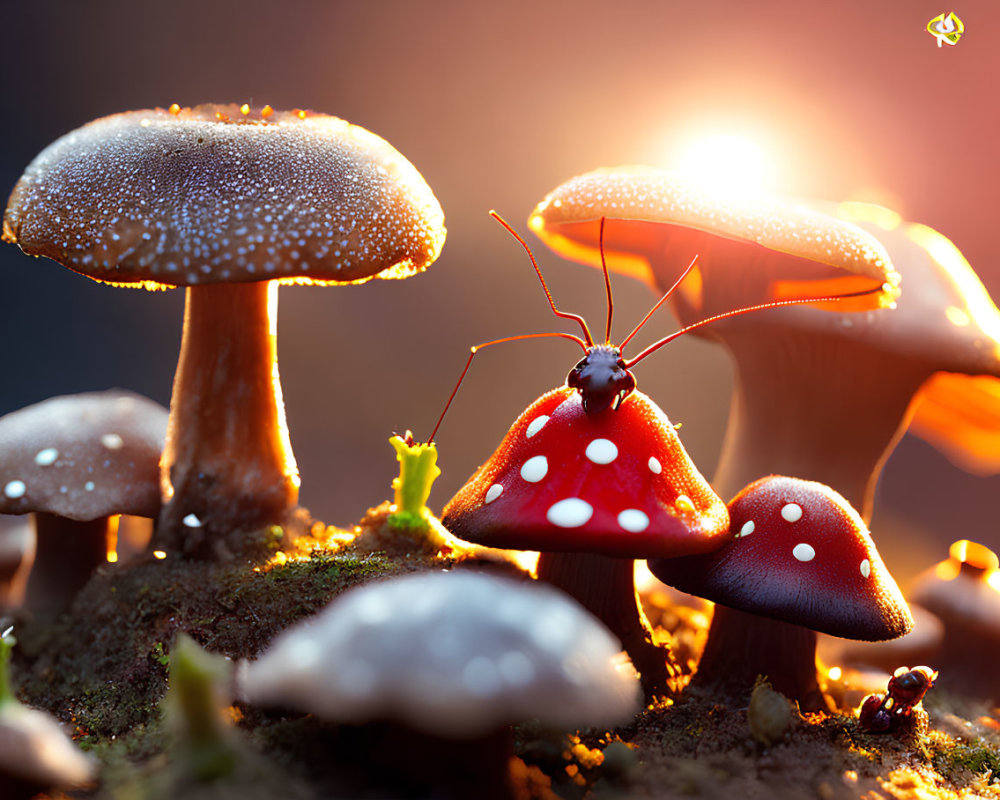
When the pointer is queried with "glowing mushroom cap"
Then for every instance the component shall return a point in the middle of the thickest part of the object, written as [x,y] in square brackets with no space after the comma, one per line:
[617,483]
[800,554]
[964,590]
[765,248]
[216,193]
[454,654]
[83,456]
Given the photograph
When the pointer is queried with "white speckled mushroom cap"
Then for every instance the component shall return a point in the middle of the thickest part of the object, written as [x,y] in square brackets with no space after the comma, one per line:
[179,197]
[764,248]
[83,456]
[455,654]
[34,749]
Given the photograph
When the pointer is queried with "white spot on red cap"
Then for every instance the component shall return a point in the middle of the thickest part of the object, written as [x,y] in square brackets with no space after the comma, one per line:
[866,568]
[792,512]
[535,468]
[804,552]
[633,520]
[112,441]
[536,425]
[15,489]
[192,521]
[493,492]
[570,513]
[747,529]
[654,465]
[46,457]
[683,503]
[602,451]
[89,486]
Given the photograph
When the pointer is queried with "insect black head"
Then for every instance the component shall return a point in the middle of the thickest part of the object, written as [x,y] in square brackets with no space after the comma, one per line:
[601,378]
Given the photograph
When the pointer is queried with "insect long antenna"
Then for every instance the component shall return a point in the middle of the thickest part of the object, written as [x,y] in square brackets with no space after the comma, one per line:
[739,311]
[478,347]
[564,314]
[607,284]
[660,302]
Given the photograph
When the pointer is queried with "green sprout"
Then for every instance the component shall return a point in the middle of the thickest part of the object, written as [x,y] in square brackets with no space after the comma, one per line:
[206,744]
[7,642]
[417,471]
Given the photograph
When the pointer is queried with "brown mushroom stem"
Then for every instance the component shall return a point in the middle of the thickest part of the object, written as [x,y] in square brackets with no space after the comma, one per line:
[228,460]
[605,586]
[742,646]
[66,554]
[836,426]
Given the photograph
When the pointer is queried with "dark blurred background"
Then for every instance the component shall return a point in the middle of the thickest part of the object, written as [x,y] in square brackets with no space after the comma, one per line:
[497,103]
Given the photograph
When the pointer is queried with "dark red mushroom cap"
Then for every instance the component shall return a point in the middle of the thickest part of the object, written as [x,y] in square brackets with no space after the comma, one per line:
[800,554]
[83,456]
[211,194]
[617,483]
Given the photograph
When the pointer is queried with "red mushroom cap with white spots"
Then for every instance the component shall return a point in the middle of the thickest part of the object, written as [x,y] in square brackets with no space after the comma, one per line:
[800,553]
[616,483]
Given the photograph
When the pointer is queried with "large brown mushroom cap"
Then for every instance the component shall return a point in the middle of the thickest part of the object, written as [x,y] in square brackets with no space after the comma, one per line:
[210,194]
[83,456]
[655,216]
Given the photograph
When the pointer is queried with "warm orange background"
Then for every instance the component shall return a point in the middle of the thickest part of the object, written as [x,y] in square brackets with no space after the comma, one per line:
[496,103]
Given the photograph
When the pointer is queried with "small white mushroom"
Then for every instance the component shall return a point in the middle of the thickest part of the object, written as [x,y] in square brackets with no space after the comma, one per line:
[453,654]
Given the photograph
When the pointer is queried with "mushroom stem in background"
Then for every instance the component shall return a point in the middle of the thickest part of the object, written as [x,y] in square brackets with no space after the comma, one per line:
[842,445]
[228,460]
[67,552]
[605,586]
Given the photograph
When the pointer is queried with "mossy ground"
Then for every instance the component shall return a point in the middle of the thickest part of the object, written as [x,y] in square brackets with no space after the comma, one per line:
[103,670]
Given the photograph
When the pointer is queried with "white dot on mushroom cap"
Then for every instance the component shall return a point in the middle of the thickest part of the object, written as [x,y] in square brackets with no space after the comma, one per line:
[633,520]
[192,521]
[654,465]
[112,441]
[804,552]
[536,425]
[493,492]
[747,528]
[481,677]
[602,451]
[89,486]
[47,456]
[569,513]
[791,512]
[516,668]
[535,468]
[15,489]
[683,503]
[866,568]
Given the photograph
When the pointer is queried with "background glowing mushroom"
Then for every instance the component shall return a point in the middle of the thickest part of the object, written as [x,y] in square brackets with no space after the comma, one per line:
[228,201]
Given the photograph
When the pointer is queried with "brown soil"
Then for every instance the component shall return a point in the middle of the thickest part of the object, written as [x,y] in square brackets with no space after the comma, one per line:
[103,669]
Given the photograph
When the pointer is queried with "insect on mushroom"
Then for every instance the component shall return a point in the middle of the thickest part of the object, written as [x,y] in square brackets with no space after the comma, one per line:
[593,475]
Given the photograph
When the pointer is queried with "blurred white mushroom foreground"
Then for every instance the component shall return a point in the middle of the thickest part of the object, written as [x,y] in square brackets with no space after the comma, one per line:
[453,657]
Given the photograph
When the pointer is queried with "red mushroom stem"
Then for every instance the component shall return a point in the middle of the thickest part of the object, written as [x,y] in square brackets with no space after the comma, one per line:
[605,586]
[228,460]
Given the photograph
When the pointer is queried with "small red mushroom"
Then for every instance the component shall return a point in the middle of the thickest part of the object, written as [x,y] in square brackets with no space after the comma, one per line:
[618,483]
[593,491]
[802,555]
